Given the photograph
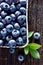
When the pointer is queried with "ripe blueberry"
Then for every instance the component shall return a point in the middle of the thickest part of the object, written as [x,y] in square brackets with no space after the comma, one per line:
[8,19]
[8,38]
[13,17]
[1,25]
[16,26]
[23,10]
[21,19]
[3,14]
[12,43]
[18,6]
[9,28]
[1,42]
[15,33]
[12,8]
[17,13]
[21,58]
[36,35]
[19,41]
[23,31]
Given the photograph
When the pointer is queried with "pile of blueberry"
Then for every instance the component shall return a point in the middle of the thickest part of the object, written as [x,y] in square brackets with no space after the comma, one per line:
[13,23]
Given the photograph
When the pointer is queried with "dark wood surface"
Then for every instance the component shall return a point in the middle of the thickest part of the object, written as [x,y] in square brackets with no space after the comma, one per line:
[35,24]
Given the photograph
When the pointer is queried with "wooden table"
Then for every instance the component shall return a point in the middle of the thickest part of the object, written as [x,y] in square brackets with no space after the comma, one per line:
[35,24]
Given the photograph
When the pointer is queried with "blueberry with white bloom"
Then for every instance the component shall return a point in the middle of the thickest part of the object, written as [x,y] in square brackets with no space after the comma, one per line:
[23,2]
[18,6]
[8,19]
[23,31]
[16,26]
[1,42]
[36,35]
[5,6]
[3,13]
[13,17]
[23,10]
[15,33]
[1,25]
[8,38]
[9,28]
[21,58]
[17,13]
[12,43]
[12,50]
[3,21]
[19,41]
[12,8]
[8,1]
[1,5]
[3,32]
[21,19]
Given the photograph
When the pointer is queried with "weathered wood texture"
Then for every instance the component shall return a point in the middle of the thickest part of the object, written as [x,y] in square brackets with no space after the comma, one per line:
[35,24]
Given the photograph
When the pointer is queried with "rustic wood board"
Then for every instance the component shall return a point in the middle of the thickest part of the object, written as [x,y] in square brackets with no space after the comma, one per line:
[35,24]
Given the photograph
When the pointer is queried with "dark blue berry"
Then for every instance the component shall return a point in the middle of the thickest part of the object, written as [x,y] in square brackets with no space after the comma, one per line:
[9,28]
[19,41]
[23,10]
[21,58]
[21,19]
[23,31]
[36,35]
[16,26]
[15,33]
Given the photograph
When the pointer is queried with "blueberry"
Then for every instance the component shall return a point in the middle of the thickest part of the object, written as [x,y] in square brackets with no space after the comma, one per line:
[3,32]
[3,21]
[16,26]
[9,28]
[36,35]
[3,14]
[8,38]
[1,5]
[1,42]
[8,1]
[8,19]
[15,33]
[18,6]
[13,17]
[23,10]
[24,38]
[21,19]
[24,25]
[1,25]
[12,43]
[19,41]
[21,58]
[23,31]
[17,13]
[0,18]
[5,6]
[12,50]
[23,2]
[12,8]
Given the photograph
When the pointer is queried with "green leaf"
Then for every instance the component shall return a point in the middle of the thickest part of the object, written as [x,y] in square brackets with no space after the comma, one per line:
[35,54]
[26,50]
[30,34]
[34,46]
